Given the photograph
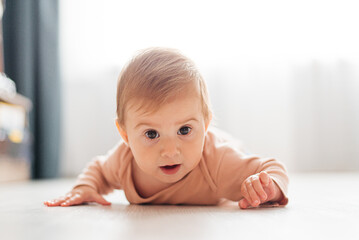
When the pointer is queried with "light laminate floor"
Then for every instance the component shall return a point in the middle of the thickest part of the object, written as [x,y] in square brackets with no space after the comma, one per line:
[321,206]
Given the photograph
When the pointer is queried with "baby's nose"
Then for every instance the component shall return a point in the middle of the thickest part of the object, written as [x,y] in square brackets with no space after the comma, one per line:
[169,149]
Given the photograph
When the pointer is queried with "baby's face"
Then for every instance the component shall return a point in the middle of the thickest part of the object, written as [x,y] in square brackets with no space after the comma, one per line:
[168,143]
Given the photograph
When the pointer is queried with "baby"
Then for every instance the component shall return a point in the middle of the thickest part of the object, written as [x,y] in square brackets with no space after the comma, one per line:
[168,155]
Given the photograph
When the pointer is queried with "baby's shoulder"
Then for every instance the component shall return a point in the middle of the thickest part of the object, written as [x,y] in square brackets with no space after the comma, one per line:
[218,146]
[118,156]
[218,141]
[221,151]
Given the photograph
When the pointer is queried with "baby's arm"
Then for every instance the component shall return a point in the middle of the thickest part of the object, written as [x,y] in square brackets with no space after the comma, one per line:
[259,188]
[78,195]
[242,177]
[100,177]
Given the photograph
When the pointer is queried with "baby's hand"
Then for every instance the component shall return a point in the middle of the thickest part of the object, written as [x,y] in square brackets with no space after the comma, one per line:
[78,196]
[259,188]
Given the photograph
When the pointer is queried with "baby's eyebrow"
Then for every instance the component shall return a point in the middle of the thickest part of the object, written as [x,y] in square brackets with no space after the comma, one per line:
[146,124]
[190,119]
[155,125]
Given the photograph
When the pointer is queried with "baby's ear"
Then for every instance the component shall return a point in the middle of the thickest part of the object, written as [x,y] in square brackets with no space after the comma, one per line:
[122,132]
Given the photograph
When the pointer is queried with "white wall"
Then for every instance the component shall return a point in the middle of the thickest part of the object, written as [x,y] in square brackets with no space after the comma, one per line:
[282,75]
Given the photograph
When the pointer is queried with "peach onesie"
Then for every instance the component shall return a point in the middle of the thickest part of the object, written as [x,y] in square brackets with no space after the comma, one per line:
[219,174]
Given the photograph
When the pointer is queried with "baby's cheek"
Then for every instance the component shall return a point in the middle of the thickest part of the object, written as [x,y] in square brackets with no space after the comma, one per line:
[194,142]
[139,153]
[141,146]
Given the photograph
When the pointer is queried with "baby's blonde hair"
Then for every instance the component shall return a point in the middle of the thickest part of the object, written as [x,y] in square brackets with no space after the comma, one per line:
[155,76]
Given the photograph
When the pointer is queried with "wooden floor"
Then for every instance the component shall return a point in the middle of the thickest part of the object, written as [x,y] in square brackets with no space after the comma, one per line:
[321,206]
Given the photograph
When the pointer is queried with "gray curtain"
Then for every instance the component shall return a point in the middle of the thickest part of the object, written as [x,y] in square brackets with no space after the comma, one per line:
[31,59]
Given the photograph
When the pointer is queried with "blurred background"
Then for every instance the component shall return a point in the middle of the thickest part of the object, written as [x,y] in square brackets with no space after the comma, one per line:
[283,76]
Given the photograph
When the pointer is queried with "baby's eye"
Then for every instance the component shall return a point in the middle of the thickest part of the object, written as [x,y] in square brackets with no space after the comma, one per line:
[184,130]
[152,134]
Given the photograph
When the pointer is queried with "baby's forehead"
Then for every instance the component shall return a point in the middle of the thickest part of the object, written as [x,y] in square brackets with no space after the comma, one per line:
[185,103]
[148,105]
[144,109]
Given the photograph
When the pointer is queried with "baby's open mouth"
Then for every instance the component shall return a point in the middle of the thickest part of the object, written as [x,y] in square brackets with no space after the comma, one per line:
[170,166]
[170,169]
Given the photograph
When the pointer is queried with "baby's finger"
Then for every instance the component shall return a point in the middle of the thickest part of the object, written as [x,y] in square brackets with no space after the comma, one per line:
[253,195]
[257,185]
[270,189]
[245,193]
[99,199]
[264,178]
[55,202]
[243,203]
[76,199]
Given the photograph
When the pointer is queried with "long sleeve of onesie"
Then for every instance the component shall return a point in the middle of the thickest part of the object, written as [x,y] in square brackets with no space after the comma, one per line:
[103,172]
[231,167]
